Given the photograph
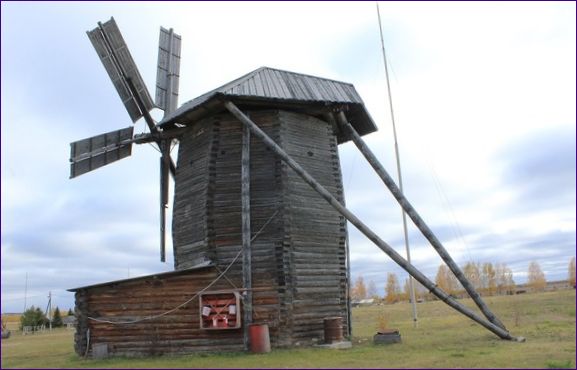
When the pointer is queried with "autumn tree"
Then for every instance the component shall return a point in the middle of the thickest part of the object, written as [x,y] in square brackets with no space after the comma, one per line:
[571,278]
[504,279]
[359,290]
[535,277]
[392,289]
[406,296]
[488,278]
[472,272]
[446,280]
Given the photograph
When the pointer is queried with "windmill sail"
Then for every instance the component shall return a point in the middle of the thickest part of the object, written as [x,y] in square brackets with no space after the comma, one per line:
[97,151]
[118,62]
[168,70]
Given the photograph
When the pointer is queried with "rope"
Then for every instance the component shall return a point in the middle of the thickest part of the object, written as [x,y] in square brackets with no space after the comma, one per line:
[195,295]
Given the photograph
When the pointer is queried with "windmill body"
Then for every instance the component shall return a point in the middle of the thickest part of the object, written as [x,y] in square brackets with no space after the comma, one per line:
[298,269]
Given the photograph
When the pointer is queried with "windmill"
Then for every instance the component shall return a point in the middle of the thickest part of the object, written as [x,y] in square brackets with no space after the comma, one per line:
[97,151]
[259,176]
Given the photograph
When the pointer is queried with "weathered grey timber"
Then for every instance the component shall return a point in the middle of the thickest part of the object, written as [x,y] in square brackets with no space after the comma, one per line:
[321,190]
[417,220]
[268,87]
[246,235]
[298,264]
[294,269]
[132,299]
[301,254]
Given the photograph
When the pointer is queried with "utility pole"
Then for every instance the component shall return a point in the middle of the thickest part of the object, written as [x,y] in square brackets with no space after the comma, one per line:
[405,232]
[49,309]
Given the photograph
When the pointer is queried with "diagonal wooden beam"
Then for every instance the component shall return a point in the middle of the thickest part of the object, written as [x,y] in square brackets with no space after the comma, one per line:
[417,220]
[324,193]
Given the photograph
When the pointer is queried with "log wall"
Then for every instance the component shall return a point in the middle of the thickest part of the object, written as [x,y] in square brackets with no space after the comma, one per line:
[177,332]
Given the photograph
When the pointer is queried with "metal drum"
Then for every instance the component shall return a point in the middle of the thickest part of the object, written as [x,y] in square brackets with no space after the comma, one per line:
[333,329]
[259,338]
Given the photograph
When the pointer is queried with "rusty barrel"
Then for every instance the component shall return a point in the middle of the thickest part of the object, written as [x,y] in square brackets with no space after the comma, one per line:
[333,329]
[259,338]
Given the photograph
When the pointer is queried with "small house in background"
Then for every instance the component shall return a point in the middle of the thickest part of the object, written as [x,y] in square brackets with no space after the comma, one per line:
[69,321]
[299,256]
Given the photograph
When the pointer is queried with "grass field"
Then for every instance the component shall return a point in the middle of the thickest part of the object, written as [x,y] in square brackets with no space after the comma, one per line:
[444,339]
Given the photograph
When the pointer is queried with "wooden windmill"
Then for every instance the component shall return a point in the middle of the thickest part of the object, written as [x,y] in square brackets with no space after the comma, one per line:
[258,177]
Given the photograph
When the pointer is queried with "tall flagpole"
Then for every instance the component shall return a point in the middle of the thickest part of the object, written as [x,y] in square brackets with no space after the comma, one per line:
[411,286]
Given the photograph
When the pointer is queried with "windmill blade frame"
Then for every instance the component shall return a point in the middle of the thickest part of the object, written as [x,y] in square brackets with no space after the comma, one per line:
[168,70]
[119,64]
[97,151]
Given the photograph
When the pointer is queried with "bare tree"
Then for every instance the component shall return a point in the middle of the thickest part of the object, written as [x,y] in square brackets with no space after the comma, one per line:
[406,295]
[372,290]
[504,277]
[535,277]
[392,289]
[571,278]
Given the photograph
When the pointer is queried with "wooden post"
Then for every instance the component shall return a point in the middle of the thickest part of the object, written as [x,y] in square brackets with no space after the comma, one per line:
[164,170]
[419,222]
[420,277]
[246,257]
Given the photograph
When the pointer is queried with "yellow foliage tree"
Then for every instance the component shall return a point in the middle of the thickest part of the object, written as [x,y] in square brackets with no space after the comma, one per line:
[359,290]
[472,272]
[489,278]
[392,289]
[535,277]
[446,280]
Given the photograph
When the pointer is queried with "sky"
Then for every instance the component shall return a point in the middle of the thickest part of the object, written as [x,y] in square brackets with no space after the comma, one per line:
[484,101]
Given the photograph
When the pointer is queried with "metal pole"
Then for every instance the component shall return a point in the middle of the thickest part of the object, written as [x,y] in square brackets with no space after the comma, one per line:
[50,309]
[419,222]
[246,244]
[25,292]
[398,157]
[256,131]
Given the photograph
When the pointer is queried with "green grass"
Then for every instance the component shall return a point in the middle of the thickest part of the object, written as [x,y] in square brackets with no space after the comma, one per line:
[444,339]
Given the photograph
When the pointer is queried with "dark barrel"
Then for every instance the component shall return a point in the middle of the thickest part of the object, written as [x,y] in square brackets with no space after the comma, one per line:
[333,329]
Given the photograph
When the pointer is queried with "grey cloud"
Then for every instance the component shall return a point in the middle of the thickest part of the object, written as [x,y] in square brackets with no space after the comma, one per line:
[541,168]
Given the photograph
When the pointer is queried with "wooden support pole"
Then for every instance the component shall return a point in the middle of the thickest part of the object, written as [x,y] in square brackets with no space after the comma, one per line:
[418,221]
[324,193]
[164,170]
[246,244]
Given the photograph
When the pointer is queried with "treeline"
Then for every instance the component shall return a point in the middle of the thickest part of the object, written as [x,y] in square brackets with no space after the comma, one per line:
[34,316]
[487,278]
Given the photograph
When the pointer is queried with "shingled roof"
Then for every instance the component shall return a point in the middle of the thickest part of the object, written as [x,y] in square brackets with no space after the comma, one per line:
[274,88]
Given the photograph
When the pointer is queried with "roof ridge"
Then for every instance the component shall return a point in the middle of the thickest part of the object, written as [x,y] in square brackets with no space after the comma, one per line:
[304,75]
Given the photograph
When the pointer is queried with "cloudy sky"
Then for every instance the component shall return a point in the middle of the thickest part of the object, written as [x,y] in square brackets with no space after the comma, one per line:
[484,95]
